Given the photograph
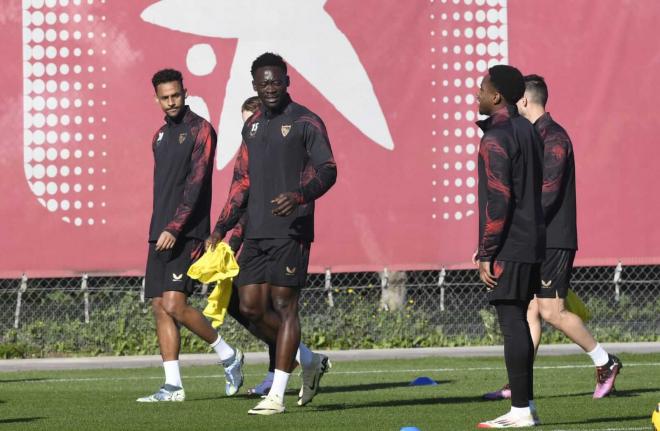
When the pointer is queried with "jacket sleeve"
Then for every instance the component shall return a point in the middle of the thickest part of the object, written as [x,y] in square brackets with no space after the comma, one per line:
[495,160]
[201,169]
[238,233]
[321,173]
[557,153]
[239,192]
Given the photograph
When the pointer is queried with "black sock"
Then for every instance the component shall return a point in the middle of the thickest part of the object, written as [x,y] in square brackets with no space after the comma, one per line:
[271,358]
[518,350]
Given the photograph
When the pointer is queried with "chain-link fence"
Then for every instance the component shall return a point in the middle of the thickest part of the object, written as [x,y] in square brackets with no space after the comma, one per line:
[108,315]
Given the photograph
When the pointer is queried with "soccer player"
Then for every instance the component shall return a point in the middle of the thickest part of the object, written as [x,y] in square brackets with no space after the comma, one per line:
[511,229]
[183,151]
[249,107]
[559,208]
[284,164]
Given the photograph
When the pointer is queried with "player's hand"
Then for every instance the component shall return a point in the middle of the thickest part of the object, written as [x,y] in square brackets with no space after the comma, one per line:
[235,243]
[486,275]
[475,261]
[285,204]
[165,241]
[212,241]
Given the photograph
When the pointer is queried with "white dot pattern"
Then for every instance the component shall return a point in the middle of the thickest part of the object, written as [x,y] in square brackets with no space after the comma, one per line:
[467,37]
[63,76]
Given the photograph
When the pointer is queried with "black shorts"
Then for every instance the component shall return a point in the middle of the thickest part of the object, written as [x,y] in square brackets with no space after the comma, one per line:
[516,281]
[276,261]
[167,270]
[556,273]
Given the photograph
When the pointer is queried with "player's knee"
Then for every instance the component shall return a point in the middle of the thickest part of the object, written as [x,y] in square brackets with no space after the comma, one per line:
[551,315]
[157,307]
[285,307]
[173,308]
[251,312]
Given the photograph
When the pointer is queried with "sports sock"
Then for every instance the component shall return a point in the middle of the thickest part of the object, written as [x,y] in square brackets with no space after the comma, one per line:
[223,349]
[304,356]
[599,356]
[172,374]
[270,376]
[280,380]
[521,412]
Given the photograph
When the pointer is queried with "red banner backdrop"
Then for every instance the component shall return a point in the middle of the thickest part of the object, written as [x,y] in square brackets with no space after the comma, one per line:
[394,82]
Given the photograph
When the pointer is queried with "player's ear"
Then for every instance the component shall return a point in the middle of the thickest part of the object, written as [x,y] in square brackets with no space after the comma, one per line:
[254,85]
[185,93]
[287,81]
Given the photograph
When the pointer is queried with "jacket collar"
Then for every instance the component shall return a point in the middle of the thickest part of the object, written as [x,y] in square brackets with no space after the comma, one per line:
[499,116]
[184,116]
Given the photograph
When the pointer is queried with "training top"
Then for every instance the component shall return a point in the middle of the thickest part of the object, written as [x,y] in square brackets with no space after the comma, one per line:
[183,149]
[285,151]
[511,223]
[558,184]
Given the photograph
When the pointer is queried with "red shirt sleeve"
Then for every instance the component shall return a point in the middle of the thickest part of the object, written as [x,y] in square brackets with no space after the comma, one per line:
[239,192]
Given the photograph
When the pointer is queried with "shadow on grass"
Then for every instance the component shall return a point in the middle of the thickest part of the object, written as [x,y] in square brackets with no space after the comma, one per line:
[328,390]
[399,403]
[597,420]
[22,380]
[621,394]
[373,386]
[20,420]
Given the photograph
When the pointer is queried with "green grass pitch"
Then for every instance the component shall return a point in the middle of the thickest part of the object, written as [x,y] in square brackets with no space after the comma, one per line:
[364,395]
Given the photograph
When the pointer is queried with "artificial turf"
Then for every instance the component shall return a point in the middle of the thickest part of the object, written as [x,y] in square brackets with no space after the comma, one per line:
[361,395]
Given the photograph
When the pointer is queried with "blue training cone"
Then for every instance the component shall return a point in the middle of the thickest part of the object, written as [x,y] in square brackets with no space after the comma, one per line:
[423,381]
[409,429]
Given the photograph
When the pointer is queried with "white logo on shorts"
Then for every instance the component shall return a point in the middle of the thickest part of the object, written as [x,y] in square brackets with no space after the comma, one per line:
[177,277]
[546,284]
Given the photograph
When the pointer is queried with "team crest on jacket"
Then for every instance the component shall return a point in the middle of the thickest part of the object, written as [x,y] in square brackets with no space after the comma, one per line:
[285,129]
[182,137]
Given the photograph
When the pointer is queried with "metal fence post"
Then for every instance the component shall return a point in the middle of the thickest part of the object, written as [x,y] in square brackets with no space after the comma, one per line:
[384,283]
[328,287]
[19,301]
[441,285]
[617,281]
[83,287]
[142,291]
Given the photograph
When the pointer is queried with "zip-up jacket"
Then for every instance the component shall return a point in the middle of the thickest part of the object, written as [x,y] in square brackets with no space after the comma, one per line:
[286,151]
[183,150]
[511,223]
[559,205]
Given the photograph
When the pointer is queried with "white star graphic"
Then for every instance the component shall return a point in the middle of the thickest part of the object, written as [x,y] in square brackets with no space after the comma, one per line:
[299,30]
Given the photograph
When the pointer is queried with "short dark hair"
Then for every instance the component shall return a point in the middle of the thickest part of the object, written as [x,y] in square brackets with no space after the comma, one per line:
[251,104]
[508,81]
[166,75]
[537,88]
[268,59]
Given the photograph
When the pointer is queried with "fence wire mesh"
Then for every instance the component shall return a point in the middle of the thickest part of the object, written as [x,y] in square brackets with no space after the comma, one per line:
[108,315]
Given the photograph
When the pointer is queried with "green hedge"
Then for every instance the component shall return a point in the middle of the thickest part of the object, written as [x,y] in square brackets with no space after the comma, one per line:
[127,328]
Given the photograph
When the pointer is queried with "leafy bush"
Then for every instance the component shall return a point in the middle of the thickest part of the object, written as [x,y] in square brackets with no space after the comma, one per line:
[356,321]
